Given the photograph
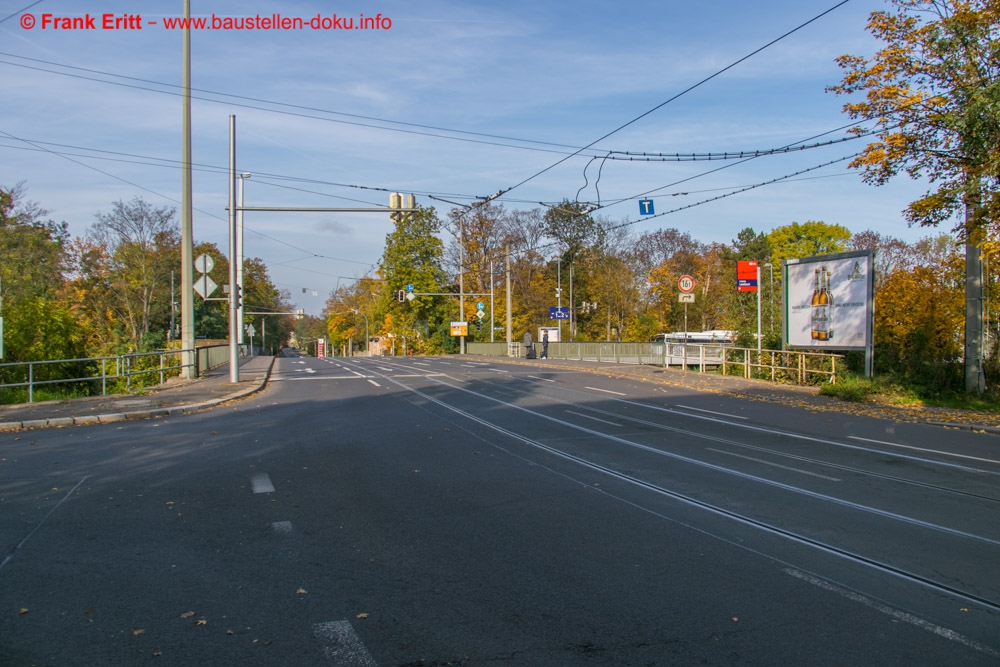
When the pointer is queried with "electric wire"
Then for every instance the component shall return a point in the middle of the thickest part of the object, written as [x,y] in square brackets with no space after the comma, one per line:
[734,192]
[668,101]
[21,11]
[297,114]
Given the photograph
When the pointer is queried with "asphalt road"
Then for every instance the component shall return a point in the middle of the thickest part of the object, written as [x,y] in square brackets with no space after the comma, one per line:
[436,511]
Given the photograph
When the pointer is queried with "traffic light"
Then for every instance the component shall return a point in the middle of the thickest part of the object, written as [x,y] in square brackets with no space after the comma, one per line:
[239,296]
[401,296]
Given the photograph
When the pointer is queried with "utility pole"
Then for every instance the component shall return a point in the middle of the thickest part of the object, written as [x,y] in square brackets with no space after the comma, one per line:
[491,301]
[461,280]
[234,325]
[559,292]
[572,305]
[510,337]
[187,209]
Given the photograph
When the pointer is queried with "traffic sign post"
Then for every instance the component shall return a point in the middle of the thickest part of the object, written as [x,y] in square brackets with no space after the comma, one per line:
[686,285]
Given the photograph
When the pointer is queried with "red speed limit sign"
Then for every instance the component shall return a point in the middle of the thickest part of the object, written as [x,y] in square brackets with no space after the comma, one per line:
[686,284]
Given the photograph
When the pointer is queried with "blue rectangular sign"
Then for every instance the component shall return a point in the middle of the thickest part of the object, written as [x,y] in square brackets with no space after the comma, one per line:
[645,207]
[556,313]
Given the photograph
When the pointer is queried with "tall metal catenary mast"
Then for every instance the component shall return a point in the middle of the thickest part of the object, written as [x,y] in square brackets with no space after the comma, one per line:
[187,210]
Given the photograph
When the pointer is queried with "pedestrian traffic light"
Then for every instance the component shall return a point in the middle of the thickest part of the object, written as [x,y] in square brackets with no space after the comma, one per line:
[401,296]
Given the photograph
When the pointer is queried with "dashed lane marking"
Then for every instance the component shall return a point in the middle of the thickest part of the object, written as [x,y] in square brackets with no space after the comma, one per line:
[261,483]
[712,412]
[342,646]
[282,527]
[607,391]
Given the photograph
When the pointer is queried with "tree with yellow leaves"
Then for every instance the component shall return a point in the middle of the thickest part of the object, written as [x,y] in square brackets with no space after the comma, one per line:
[933,92]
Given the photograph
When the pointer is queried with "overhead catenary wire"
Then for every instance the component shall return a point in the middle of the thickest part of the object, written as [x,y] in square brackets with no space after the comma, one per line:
[735,192]
[298,114]
[705,80]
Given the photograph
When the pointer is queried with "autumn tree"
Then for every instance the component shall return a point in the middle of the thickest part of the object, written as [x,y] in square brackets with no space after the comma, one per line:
[932,93]
[809,238]
[413,256]
[39,322]
[125,264]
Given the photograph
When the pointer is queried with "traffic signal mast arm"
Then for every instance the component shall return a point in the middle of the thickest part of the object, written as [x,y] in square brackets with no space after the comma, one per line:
[446,294]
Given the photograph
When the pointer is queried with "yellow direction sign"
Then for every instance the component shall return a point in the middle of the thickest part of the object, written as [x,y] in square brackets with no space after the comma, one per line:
[459,328]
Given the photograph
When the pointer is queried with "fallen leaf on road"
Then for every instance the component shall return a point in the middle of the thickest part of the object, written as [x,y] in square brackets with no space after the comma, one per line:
[187,614]
[138,632]
[735,620]
[22,611]
[201,621]
[301,591]
[361,615]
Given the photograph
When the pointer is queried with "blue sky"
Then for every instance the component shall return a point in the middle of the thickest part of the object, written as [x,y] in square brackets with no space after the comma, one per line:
[543,78]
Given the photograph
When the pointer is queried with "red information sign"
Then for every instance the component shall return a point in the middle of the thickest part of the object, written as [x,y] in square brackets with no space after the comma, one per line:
[746,276]
[686,284]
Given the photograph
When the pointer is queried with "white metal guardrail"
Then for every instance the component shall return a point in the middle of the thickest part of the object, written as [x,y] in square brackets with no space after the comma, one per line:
[775,365]
[166,363]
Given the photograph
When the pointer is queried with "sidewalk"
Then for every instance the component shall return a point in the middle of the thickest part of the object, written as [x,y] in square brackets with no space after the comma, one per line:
[176,396]
[807,397]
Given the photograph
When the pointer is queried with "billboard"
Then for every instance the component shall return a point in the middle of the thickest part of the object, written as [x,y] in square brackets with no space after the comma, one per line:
[829,301]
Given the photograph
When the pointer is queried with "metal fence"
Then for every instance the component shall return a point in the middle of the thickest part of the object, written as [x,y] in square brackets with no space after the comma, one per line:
[110,370]
[775,365]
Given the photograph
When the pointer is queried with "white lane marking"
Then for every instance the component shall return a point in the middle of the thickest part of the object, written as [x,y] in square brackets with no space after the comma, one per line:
[607,391]
[603,421]
[535,377]
[687,459]
[282,527]
[261,483]
[383,368]
[420,363]
[44,519]
[921,449]
[776,465]
[375,383]
[446,363]
[895,614]
[342,645]
[711,412]
[321,378]
[471,365]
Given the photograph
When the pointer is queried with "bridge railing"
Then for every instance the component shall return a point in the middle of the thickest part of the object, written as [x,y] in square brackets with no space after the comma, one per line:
[789,366]
[113,374]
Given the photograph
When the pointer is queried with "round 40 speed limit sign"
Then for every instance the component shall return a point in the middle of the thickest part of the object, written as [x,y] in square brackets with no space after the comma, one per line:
[686,284]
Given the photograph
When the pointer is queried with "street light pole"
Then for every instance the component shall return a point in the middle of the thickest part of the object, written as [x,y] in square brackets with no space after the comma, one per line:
[461,280]
[771,305]
[559,292]
[187,209]
[234,325]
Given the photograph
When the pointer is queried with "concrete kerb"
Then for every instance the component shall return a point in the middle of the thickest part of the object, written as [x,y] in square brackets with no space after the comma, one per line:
[111,418]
